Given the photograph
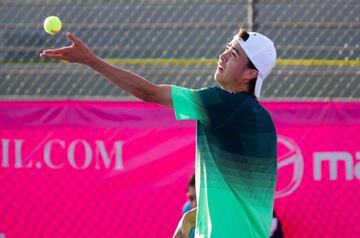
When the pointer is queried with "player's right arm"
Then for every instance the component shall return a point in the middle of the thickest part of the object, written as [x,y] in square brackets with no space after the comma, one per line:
[136,85]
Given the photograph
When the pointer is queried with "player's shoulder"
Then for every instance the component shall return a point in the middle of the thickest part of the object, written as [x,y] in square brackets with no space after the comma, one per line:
[217,93]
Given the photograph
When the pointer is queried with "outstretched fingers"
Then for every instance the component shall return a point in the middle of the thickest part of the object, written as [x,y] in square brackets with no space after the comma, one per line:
[65,49]
[73,39]
[50,55]
[62,50]
[76,53]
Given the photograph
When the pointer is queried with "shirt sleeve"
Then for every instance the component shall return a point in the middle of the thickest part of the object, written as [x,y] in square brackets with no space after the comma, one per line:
[212,106]
[190,104]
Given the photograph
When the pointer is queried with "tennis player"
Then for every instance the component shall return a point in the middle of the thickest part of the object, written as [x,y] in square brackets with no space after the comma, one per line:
[236,138]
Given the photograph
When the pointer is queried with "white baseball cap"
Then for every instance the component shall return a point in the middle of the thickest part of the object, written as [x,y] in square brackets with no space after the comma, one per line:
[261,52]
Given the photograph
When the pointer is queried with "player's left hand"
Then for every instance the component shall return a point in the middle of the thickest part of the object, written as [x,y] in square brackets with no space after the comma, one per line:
[78,52]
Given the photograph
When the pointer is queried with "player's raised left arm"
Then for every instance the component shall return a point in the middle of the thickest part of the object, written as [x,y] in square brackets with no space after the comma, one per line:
[136,85]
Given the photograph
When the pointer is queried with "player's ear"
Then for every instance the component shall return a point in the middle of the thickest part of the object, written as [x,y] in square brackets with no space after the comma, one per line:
[251,74]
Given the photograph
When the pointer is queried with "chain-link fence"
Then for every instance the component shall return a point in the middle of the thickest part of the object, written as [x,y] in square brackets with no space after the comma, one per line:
[175,42]
[178,42]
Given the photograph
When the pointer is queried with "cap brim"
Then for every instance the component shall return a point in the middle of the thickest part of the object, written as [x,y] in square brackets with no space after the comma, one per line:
[258,85]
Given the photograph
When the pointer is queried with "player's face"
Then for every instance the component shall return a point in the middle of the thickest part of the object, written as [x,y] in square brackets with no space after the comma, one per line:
[232,67]
[191,194]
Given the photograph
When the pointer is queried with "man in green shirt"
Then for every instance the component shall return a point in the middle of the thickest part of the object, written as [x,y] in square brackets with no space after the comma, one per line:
[236,138]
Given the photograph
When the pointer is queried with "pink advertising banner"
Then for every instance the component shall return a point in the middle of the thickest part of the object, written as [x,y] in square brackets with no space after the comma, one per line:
[120,169]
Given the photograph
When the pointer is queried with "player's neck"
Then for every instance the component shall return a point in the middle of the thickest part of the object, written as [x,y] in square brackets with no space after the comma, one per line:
[240,88]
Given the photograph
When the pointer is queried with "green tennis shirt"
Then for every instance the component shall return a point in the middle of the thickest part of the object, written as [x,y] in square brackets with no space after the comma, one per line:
[235,161]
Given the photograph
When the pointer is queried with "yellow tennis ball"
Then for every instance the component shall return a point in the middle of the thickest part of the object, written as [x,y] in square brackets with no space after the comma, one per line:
[52,25]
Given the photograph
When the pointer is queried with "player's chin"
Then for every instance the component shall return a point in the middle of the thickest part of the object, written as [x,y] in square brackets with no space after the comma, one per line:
[218,77]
